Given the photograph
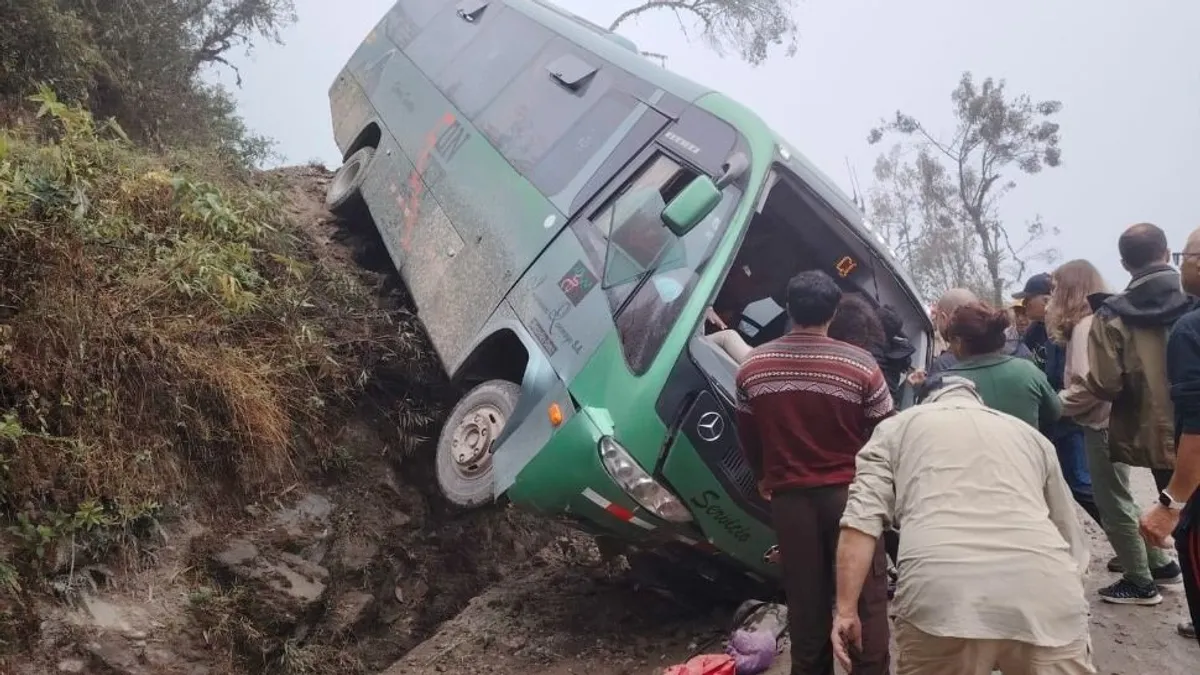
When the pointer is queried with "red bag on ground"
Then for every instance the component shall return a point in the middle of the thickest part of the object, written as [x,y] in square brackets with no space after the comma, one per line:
[706,664]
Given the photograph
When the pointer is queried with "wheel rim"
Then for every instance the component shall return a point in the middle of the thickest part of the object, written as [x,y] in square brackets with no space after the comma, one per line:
[471,443]
[344,179]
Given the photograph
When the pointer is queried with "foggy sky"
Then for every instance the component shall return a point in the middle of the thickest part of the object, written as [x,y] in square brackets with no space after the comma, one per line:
[1127,74]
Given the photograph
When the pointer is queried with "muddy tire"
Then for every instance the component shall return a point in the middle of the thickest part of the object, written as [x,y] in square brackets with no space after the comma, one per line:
[464,460]
[344,197]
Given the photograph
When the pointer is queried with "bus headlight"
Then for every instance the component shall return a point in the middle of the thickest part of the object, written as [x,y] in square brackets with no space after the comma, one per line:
[639,485]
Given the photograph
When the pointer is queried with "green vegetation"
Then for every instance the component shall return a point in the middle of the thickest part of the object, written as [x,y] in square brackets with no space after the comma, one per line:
[140,62]
[165,333]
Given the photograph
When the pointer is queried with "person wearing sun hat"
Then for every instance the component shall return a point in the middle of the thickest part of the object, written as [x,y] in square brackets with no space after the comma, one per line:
[1016,326]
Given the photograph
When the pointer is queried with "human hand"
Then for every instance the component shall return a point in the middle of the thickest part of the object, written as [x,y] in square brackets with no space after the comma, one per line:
[713,318]
[763,491]
[773,556]
[1158,522]
[917,377]
[846,637]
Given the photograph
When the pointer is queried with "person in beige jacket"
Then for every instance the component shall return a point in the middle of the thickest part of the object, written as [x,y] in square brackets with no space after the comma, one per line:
[992,559]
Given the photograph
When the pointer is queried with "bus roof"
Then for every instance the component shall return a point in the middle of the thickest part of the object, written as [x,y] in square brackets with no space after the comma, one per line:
[613,48]
[625,54]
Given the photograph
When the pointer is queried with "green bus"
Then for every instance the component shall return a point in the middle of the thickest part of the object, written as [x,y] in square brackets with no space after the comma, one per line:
[564,214]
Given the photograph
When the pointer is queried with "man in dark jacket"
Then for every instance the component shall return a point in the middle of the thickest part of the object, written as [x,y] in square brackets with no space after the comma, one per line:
[1127,362]
[895,357]
[1171,513]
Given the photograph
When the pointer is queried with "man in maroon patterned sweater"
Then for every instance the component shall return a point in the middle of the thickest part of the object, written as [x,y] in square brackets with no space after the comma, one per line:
[806,405]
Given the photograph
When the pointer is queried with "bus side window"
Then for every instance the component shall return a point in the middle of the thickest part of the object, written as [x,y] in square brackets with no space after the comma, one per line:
[534,111]
[572,153]
[445,37]
[503,48]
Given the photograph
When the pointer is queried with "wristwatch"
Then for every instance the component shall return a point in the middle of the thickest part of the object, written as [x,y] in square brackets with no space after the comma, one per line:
[1169,502]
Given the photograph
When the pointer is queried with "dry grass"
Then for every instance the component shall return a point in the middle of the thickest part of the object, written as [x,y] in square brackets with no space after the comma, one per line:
[165,333]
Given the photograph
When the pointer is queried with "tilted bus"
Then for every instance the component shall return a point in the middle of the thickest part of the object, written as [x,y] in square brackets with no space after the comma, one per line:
[563,212]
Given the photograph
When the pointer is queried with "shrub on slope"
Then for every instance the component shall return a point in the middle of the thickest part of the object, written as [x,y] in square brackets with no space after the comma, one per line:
[164,332]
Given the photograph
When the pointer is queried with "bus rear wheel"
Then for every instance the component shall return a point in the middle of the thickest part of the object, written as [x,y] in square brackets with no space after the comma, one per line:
[464,451]
[344,197]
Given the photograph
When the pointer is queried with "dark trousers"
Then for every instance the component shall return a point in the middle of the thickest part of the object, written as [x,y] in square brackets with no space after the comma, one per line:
[1072,457]
[807,525]
[891,544]
[1187,545]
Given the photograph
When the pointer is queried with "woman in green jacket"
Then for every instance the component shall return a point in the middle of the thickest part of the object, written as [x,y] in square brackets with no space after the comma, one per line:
[1006,383]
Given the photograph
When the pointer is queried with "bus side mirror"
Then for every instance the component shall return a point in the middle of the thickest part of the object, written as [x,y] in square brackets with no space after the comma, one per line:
[691,206]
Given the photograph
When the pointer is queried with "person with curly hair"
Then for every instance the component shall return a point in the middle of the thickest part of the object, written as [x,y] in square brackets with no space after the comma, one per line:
[1005,382]
[856,322]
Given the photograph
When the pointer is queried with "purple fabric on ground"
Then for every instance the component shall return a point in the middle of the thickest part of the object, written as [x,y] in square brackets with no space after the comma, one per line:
[752,651]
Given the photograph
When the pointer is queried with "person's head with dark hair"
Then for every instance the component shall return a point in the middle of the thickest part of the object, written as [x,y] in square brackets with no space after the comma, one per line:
[1143,245]
[976,329]
[893,325]
[857,323]
[812,299]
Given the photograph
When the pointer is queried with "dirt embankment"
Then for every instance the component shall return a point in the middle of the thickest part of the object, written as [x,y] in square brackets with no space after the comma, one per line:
[347,567]
[356,566]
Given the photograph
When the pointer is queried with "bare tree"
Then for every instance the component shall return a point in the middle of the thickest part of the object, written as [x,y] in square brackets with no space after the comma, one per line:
[905,204]
[958,184]
[749,27]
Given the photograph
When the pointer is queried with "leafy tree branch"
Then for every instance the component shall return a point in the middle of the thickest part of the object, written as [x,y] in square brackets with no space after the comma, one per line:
[959,184]
[751,28]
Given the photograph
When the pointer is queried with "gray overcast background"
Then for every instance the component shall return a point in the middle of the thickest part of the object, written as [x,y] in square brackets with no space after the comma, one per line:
[1128,74]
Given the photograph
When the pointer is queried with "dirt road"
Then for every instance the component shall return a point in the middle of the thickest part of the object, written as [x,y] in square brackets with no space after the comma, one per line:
[572,616]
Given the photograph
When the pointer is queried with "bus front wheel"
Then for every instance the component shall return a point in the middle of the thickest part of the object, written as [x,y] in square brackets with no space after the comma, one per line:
[464,451]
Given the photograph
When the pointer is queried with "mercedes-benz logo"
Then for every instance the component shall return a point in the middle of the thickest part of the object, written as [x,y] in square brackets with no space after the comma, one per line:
[711,426]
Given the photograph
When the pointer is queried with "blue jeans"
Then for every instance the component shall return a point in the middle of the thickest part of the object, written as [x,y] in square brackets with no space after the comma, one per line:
[1072,457]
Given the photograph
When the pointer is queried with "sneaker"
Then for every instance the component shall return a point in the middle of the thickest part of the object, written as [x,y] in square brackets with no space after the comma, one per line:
[1125,592]
[1168,575]
[1187,629]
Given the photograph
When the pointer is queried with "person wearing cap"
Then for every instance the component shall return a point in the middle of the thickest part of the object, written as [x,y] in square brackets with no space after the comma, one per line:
[993,557]
[1034,298]
[1020,318]
[1017,323]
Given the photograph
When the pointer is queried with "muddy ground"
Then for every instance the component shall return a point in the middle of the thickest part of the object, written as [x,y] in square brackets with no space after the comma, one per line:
[587,623]
[365,570]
